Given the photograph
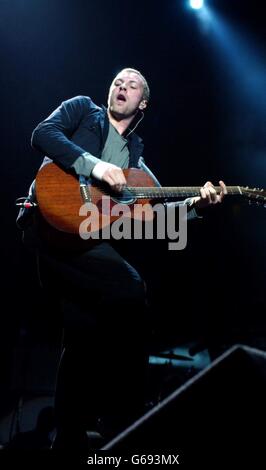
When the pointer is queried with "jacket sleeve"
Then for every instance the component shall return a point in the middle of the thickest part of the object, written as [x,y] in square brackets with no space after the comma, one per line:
[52,136]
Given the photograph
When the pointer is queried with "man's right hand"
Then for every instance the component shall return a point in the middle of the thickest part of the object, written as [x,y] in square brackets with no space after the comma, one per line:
[110,174]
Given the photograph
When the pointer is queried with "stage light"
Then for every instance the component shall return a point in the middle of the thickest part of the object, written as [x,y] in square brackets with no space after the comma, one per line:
[196,4]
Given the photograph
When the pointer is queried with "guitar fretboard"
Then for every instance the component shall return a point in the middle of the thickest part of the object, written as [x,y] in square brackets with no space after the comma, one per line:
[170,192]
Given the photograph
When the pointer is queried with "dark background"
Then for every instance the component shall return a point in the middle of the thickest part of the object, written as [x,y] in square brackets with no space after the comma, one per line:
[208,113]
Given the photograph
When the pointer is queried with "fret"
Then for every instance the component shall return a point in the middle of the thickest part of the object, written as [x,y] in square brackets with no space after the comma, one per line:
[169,192]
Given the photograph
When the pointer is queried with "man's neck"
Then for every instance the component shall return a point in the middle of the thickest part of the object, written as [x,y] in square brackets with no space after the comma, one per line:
[120,125]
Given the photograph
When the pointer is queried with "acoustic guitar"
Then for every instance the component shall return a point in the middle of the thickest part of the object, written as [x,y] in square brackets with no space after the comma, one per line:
[64,200]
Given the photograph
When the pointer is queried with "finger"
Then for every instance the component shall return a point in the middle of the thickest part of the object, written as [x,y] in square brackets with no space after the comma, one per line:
[108,179]
[206,194]
[224,189]
[208,188]
[111,180]
[119,177]
[213,195]
[118,186]
[208,185]
[119,181]
[114,180]
[203,193]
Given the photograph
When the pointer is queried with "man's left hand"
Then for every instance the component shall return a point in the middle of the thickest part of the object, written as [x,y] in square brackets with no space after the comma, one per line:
[209,195]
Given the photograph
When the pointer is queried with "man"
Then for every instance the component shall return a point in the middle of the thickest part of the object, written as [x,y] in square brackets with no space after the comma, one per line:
[101,379]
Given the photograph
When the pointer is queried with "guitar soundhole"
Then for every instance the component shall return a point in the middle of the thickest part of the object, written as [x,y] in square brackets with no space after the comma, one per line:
[124,197]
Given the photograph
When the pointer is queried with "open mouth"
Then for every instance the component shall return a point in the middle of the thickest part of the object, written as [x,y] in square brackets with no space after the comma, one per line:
[121,97]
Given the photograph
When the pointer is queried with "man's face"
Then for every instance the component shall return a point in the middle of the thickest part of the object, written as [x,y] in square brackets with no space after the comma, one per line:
[126,95]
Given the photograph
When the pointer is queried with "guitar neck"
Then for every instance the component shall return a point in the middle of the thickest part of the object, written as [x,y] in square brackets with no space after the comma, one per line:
[173,192]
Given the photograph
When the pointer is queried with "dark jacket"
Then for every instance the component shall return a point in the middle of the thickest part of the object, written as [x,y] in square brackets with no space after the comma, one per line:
[78,126]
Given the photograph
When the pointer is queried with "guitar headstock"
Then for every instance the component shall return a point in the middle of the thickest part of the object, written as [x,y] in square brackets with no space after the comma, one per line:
[254,195]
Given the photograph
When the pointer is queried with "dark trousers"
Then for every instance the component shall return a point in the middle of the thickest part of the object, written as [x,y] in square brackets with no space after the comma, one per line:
[102,372]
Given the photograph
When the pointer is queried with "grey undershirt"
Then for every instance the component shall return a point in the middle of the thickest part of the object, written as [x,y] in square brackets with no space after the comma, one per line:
[115,151]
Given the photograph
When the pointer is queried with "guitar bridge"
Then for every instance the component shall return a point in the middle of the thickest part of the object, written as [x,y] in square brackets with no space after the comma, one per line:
[83,187]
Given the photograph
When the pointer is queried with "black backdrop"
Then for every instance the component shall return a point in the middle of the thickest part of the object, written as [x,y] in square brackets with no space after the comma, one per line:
[54,49]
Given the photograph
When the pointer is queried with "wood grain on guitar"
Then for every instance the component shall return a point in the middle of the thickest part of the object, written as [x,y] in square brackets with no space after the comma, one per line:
[60,198]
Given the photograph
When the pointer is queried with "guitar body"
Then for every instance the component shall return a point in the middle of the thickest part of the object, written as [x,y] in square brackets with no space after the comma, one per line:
[59,199]
[74,208]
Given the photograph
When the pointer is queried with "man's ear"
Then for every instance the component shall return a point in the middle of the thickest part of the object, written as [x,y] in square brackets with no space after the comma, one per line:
[143,104]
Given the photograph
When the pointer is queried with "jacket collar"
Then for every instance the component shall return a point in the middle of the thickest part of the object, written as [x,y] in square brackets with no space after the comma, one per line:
[104,124]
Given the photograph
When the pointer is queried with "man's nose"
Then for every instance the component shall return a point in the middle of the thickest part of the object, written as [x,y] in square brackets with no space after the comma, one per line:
[123,86]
